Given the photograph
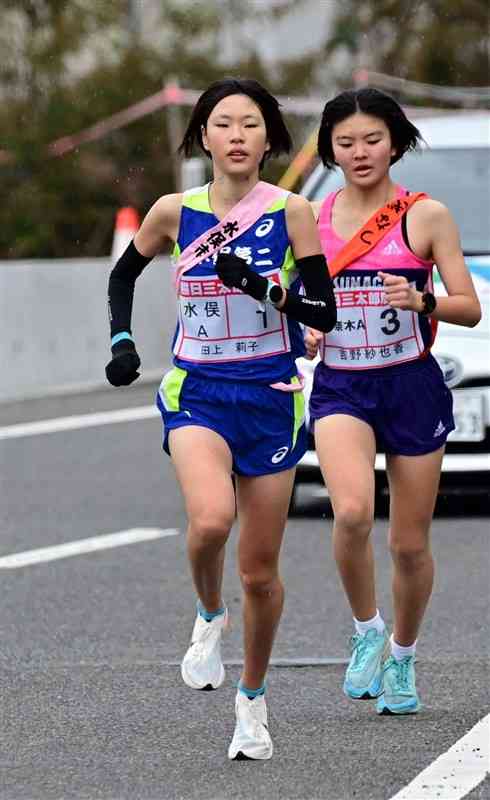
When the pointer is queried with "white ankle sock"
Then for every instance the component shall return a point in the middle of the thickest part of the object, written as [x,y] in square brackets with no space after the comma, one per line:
[362,626]
[398,651]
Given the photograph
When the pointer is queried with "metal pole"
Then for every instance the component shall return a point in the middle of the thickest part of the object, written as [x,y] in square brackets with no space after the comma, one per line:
[175,130]
[134,20]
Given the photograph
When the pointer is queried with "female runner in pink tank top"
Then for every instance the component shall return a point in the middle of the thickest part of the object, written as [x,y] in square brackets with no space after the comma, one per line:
[377,385]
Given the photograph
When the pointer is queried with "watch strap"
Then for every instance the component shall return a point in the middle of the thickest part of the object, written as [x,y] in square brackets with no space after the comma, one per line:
[429,303]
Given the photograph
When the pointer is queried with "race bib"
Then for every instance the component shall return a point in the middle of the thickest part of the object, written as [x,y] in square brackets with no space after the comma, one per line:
[221,324]
[369,333]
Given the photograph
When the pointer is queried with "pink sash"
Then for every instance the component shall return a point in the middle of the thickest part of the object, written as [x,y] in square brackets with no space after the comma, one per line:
[290,387]
[237,221]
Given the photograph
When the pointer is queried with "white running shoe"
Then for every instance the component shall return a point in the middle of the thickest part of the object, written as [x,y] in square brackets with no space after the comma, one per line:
[201,666]
[251,738]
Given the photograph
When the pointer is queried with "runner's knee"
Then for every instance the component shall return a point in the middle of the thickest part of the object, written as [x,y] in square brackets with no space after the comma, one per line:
[409,555]
[354,517]
[260,582]
[210,529]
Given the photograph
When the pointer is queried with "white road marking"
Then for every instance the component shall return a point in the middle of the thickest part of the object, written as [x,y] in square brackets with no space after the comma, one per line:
[457,771]
[131,536]
[279,663]
[79,421]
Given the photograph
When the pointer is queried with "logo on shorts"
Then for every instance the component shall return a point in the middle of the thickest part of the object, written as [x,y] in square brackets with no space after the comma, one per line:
[279,455]
[439,430]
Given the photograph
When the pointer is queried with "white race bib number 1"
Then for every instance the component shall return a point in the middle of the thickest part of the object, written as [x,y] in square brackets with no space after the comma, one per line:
[220,324]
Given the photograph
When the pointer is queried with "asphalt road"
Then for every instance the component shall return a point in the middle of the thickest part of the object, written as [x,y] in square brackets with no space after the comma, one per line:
[92,701]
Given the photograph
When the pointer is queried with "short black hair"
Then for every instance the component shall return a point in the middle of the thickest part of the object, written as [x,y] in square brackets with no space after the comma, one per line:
[404,135]
[277,132]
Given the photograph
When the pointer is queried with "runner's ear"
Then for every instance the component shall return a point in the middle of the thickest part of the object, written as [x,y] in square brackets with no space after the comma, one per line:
[204,138]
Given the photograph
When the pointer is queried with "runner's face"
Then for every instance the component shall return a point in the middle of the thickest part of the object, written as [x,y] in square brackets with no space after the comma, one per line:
[236,135]
[362,148]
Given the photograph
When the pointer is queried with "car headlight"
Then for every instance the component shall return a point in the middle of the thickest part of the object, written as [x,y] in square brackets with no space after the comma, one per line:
[452,370]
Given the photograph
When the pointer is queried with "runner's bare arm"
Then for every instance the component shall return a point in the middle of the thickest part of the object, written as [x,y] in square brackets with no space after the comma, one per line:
[318,309]
[461,307]
[160,225]
[302,228]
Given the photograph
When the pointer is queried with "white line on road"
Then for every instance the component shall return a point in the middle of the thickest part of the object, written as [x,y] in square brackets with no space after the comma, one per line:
[457,771]
[131,536]
[279,663]
[79,421]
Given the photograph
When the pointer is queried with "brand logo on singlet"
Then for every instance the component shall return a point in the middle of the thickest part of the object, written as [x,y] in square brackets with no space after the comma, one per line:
[279,455]
[392,249]
[264,228]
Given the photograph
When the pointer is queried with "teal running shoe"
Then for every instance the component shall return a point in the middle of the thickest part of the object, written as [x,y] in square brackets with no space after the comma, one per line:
[399,693]
[364,675]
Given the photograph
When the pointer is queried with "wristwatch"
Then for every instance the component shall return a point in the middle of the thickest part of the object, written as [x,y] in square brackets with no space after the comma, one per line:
[429,303]
[273,293]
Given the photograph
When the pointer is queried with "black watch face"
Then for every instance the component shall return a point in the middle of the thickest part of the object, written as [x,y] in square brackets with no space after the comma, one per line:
[429,303]
[275,294]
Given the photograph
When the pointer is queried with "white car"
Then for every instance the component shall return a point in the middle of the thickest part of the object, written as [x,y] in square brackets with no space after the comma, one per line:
[454,167]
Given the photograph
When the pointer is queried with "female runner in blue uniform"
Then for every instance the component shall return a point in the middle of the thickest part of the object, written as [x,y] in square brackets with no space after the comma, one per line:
[232,404]
[377,383]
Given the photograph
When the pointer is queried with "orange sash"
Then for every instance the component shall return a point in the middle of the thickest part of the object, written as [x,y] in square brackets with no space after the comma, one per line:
[373,231]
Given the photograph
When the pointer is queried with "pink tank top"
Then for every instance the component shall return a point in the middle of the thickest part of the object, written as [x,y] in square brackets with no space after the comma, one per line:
[369,333]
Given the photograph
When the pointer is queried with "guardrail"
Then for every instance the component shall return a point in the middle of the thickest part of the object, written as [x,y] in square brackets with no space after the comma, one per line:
[55,332]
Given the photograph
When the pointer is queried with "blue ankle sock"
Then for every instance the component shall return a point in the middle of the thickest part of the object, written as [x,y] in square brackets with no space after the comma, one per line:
[209,615]
[251,693]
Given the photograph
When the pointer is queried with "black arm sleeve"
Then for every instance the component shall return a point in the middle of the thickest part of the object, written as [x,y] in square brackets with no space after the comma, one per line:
[318,308]
[121,288]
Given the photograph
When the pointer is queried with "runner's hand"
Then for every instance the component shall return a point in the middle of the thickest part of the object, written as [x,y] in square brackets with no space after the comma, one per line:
[123,369]
[312,342]
[234,272]
[399,293]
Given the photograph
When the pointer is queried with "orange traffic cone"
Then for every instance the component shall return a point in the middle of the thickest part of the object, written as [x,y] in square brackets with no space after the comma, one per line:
[127,224]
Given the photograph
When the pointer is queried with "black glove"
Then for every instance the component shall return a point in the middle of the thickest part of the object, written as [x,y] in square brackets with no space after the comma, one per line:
[122,370]
[234,272]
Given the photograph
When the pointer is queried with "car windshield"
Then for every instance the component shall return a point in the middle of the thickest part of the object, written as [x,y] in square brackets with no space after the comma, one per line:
[459,178]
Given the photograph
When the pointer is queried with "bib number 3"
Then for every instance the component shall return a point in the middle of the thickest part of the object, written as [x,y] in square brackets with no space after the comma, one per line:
[390,315]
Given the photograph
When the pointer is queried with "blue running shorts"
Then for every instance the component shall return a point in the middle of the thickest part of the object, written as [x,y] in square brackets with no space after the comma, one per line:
[409,407]
[263,427]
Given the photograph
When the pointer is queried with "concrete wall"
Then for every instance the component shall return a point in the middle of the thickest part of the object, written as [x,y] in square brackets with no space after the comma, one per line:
[55,330]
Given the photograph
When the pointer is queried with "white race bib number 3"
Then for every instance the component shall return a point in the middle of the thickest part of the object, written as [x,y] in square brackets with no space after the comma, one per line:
[370,333]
